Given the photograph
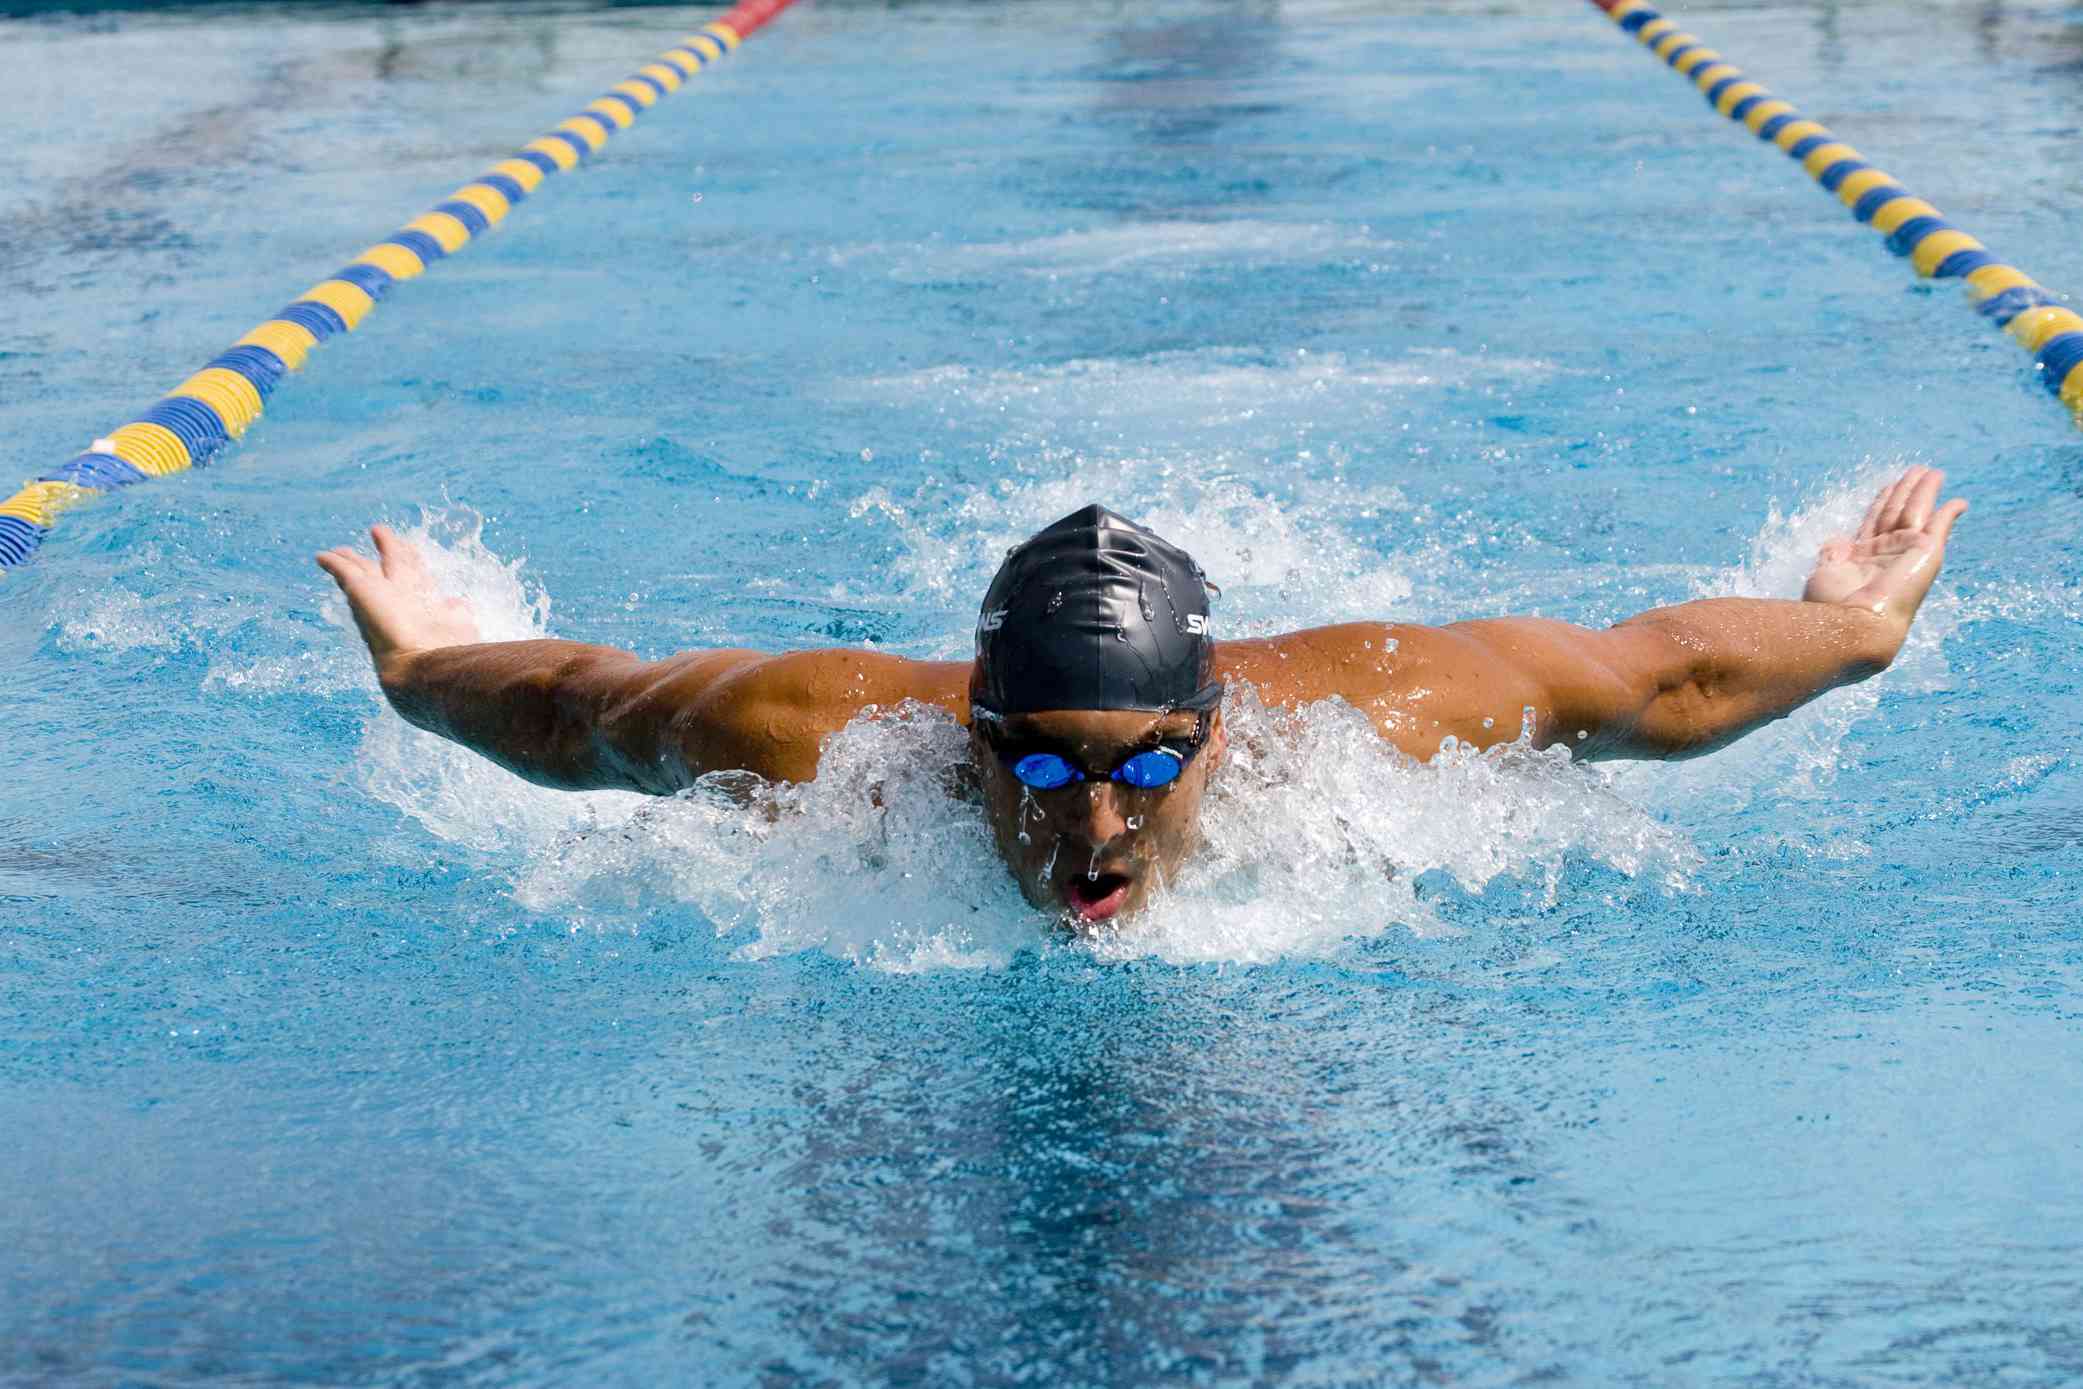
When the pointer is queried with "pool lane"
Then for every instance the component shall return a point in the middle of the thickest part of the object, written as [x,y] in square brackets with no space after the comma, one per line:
[2016,302]
[196,420]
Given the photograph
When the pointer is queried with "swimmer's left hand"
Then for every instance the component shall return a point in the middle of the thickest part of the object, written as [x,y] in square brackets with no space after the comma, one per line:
[1888,566]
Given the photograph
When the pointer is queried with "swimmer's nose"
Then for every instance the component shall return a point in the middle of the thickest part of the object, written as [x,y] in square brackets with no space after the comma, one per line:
[1096,812]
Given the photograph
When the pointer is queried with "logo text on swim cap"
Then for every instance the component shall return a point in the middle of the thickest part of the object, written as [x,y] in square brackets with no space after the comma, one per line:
[992,621]
[1197,624]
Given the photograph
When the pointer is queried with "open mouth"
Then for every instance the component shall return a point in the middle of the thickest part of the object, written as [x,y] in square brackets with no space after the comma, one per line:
[1096,899]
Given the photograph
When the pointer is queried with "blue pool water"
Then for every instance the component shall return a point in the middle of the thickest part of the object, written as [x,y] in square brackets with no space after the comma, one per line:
[328,1055]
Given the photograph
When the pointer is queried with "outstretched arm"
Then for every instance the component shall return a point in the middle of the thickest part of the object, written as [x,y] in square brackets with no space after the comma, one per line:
[579,717]
[1685,680]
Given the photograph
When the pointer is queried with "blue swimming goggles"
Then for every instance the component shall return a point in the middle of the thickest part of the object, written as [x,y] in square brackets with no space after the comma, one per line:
[1145,769]
[1158,766]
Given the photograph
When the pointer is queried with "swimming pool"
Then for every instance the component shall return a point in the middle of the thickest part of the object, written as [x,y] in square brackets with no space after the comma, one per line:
[331,1056]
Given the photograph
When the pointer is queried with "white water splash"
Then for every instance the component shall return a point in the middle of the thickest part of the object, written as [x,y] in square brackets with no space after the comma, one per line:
[115,620]
[880,860]
[457,795]
[327,671]
[1318,832]
[1800,756]
[116,624]
[1281,562]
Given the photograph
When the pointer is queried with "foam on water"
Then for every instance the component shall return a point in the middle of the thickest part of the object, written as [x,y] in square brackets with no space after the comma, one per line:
[1214,391]
[115,620]
[881,859]
[252,647]
[1800,756]
[1250,475]
[1178,247]
[457,795]
[1318,831]
[1282,561]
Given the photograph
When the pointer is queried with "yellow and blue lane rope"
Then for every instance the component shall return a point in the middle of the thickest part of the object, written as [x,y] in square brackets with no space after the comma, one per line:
[2044,326]
[189,426]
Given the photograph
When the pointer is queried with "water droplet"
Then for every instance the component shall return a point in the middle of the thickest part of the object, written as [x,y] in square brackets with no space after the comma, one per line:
[1092,868]
[1120,634]
[1489,723]
[1135,822]
[1143,603]
[1056,600]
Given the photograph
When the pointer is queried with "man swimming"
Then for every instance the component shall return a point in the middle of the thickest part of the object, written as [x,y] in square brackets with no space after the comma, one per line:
[1094,704]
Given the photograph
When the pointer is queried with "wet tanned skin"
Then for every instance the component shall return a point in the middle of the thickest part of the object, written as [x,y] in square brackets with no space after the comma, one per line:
[1672,682]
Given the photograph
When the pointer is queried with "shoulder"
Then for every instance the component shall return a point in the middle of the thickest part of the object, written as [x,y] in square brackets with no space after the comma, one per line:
[1356,661]
[771,714]
[845,680]
[1417,684]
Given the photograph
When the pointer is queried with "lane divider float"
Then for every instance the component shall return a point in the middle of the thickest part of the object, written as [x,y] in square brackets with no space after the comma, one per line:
[2033,315]
[189,425]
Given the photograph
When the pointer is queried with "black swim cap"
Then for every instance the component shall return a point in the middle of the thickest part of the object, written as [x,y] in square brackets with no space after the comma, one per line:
[1094,613]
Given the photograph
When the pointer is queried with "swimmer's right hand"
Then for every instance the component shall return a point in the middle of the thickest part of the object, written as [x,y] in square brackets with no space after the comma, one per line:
[1887,567]
[395,604]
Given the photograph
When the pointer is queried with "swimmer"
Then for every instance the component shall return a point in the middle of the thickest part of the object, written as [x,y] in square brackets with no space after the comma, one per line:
[1094,704]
